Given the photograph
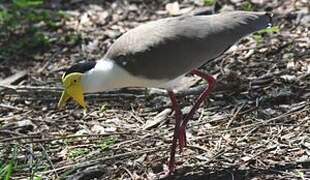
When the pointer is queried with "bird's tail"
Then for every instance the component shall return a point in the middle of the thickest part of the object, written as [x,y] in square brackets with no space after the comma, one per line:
[269,14]
[241,23]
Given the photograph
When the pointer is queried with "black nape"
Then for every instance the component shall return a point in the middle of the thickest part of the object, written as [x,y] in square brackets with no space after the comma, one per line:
[80,67]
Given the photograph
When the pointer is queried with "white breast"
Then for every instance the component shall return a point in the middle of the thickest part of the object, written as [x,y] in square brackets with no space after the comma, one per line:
[107,75]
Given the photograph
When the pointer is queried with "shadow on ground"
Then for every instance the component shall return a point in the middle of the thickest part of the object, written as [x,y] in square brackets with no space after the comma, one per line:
[301,169]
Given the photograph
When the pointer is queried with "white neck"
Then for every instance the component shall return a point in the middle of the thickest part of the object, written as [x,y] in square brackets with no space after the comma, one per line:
[103,77]
[107,75]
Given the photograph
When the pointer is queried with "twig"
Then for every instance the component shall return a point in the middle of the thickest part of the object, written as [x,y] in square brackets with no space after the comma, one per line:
[129,173]
[57,138]
[247,134]
[14,78]
[14,116]
[5,106]
[267,121]
[218,154]
[92,162]
[235,115]
[157,119]
[48,159]
[220,119]
[129,93]
[197,147]
[32,88]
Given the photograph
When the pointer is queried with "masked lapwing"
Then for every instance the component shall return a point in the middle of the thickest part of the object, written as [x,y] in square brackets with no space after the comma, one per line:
[158,53]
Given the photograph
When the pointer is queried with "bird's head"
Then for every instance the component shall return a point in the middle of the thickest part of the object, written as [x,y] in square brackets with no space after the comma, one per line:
[73,84]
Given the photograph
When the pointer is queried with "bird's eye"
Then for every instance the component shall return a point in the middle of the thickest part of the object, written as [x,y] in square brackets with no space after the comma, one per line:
[74,80]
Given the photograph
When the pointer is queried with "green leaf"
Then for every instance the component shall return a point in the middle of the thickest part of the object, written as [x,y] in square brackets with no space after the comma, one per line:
[103,108]
[273,29]
[9,171]
[6,171]
[27,3]
[105,144]
[72,39]
[247,6]
[4,16]
[38,178]
[63,14]
[258,36]
[209,2]
[74,153]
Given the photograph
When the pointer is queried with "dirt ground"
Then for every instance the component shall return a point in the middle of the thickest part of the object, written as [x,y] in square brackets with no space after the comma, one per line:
[255,125]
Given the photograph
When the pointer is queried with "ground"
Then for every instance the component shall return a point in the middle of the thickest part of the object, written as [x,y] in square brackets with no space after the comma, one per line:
[255,125]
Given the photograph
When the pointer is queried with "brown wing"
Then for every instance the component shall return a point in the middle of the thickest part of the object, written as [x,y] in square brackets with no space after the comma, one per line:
[168,48]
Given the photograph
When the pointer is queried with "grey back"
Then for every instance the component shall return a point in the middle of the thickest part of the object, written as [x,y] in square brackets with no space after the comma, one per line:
[170,47]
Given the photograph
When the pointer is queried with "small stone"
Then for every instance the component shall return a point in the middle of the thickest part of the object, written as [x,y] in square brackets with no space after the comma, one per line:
[290,65]
[289,78]
[173,8]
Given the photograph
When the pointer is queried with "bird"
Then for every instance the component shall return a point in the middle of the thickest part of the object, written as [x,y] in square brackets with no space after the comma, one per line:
[157,54]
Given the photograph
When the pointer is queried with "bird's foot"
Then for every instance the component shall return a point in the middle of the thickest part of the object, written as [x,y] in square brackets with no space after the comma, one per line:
[182,138]
[163,174]
[171,166]
[167,171]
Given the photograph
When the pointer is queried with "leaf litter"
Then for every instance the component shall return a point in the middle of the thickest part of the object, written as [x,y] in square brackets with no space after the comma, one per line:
[255,125]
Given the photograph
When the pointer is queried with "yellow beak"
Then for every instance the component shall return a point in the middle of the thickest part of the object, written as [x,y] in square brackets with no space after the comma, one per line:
[63,99]
[74,91]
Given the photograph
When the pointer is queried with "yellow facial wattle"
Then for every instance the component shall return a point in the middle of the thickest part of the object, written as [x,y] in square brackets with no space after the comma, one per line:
[72,88]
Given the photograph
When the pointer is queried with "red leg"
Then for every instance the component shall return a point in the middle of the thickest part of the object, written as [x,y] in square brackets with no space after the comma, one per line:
[200,99]
[178,119]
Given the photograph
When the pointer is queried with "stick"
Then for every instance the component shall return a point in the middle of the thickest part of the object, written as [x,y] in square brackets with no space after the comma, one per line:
[56,138]
[93,162]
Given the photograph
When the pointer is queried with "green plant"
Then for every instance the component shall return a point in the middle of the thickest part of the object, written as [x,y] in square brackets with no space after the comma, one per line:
[258,36]
[7,167]
[106,143]
[4,15]
[71,39]
[36,177]
[247,6]
[103,108]
[273,29]
[27,3]
[209,2]
[6,170]
[25,25]
[74,153]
